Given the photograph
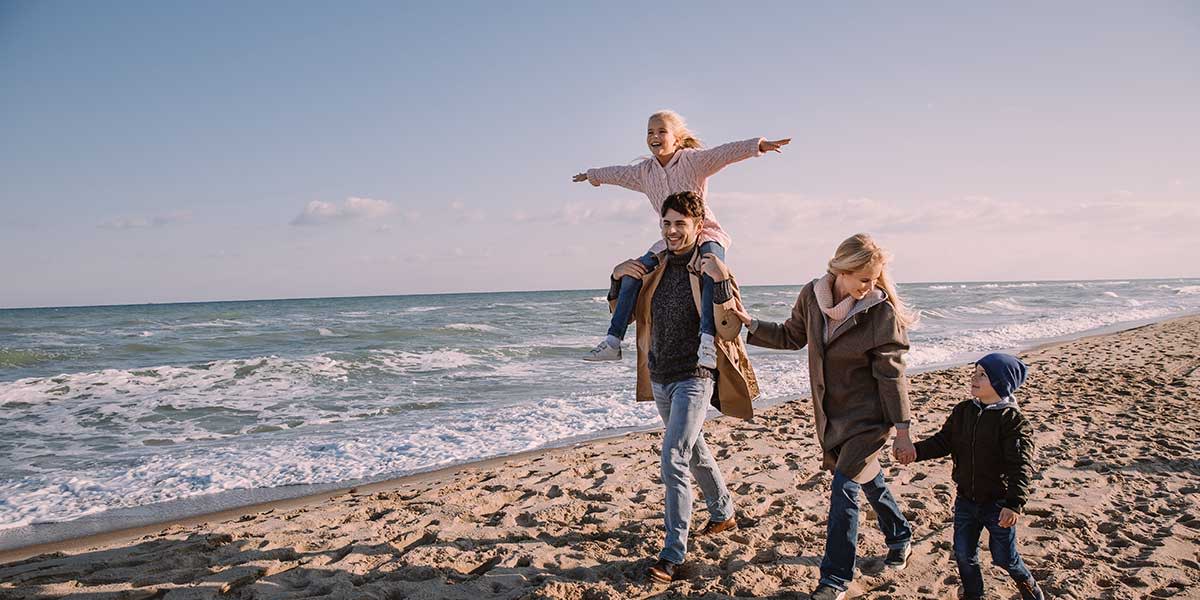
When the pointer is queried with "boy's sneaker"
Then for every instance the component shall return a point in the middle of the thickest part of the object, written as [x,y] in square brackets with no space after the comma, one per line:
[897,558]
[706,355]
[662,571]
[1030,590]
[603,351]
[827,592]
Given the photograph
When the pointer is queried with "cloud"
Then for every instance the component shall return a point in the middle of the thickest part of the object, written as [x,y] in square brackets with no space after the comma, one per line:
[788,214]
[578,213]
[473,215]
[319,212]
[147,222]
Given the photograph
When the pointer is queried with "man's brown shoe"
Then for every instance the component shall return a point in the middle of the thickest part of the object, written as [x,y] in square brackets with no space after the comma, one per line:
[715,527]
[662,571]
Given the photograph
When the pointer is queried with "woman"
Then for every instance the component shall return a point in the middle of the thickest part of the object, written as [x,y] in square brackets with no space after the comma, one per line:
[854,325]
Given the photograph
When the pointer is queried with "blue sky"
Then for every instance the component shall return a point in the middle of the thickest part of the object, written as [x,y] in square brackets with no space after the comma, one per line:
[177,151]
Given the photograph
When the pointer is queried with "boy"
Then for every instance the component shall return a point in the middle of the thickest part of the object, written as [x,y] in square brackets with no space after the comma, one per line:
[991,444]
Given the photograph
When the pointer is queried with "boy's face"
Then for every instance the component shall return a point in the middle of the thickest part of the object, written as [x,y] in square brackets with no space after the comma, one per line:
[981,387]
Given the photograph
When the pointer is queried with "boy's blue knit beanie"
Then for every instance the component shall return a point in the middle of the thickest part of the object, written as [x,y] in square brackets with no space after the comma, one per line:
[1005,372]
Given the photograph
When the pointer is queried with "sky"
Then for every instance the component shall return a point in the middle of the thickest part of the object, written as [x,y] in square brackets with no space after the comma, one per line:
[167,151]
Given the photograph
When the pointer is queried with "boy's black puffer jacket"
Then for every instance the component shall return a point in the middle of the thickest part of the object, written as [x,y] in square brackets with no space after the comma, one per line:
[992,452]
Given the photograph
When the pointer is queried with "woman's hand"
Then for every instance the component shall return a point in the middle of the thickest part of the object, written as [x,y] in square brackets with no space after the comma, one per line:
[739,311]
[714,267]
[583,177]
[902,448]
[1008,517]
[769,146]
[630,268]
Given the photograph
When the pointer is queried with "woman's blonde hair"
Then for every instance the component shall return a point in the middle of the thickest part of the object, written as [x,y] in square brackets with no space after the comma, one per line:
[858,253]
[685,138]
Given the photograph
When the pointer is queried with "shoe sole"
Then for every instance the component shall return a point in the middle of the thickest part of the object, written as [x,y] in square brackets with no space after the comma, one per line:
[659,576]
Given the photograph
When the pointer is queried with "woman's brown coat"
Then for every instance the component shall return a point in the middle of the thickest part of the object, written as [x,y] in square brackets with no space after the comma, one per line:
[858,385]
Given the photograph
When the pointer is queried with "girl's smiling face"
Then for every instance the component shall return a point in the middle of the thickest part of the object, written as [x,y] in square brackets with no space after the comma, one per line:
[659,138]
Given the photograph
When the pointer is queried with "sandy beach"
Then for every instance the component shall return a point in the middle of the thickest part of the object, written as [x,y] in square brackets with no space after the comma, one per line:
[1115,512]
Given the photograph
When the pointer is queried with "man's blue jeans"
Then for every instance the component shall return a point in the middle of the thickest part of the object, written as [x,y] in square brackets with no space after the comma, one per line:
[970,519]
[630,287]
[682,406]
[841,537]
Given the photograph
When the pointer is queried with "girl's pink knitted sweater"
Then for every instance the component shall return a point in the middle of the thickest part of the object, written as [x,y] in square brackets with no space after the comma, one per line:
[688,171]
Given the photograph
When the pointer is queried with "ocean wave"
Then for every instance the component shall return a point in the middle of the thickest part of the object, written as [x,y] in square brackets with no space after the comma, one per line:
[480,327]
[380,449]
[421,309]
[936,314]
[252,384]
[1008,304]
[20,357]
[1188,290]
[218,323]
[952,345]
[972,310]
[423,362]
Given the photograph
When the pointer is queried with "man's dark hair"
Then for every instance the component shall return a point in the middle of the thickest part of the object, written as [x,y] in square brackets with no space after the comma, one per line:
[688,204]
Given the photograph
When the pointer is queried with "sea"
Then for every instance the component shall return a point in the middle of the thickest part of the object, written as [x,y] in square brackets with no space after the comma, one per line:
[112,416]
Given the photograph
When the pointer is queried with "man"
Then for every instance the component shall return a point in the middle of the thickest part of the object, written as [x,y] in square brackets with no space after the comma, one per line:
[668,324]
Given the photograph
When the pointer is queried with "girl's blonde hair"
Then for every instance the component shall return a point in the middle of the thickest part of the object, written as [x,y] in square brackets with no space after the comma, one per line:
[678,126]
[859,252]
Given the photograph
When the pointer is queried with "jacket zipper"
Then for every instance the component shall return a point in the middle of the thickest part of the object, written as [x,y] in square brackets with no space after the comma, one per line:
[974,434]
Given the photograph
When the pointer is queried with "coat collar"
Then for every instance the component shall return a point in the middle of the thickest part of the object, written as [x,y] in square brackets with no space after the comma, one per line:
[875,298]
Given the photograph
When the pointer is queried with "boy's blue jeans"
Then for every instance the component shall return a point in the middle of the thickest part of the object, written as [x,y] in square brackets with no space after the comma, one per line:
[627,298]
[683,406]
[970,519]
[841,537]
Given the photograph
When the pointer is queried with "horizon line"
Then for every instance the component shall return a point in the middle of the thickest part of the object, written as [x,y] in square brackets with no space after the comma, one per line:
[350,297]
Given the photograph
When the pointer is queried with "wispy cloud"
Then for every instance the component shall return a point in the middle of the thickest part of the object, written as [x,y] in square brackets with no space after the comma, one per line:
[467,213]
[319,212]
[146,222]
[792,213]
[578,213]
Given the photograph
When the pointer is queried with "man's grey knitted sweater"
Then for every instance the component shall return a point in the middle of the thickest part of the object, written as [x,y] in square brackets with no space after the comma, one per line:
[675,333]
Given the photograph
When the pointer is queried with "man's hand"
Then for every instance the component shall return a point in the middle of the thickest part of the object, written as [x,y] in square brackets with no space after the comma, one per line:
[630,268]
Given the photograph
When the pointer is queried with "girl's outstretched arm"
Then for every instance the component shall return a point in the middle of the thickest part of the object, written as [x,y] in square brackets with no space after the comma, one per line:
[626,176]
[711,160]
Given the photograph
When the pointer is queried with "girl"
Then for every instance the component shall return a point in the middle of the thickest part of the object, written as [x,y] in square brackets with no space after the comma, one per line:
[678,164]
[855,326]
